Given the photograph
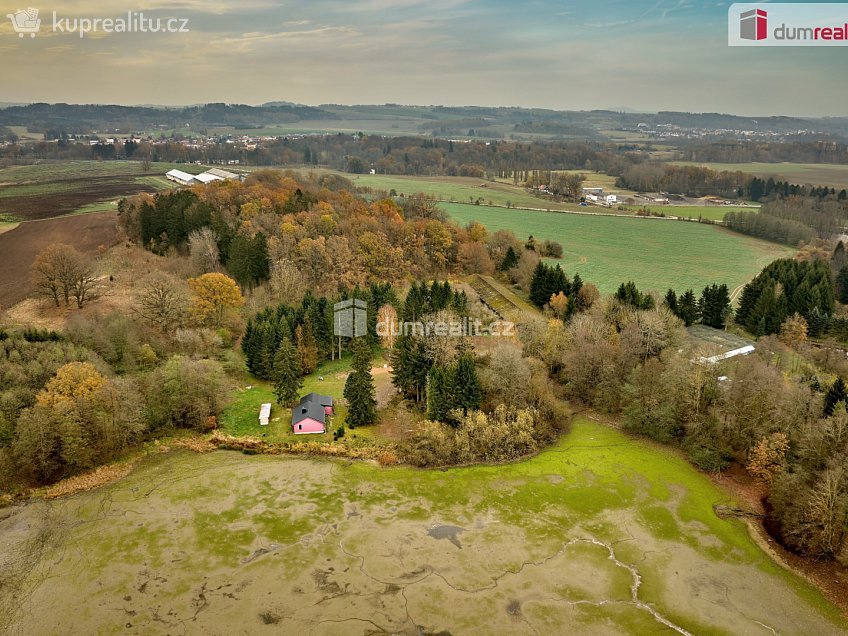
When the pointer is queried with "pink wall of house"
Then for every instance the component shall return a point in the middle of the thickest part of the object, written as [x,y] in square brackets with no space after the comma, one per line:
[308,425]
[328,410]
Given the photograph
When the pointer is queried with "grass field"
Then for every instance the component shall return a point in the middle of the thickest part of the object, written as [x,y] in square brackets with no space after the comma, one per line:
[395,126]
[459,189]
[827,174]
[51,189]
[655,253]
[598,534]
[25,135]
[241,417]
[710,212]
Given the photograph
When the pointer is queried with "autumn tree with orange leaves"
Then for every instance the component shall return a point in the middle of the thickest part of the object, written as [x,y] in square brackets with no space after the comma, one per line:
[214,294]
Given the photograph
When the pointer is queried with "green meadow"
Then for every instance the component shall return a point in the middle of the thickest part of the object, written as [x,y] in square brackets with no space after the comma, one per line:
[708,212]
[654,253]
[459,189]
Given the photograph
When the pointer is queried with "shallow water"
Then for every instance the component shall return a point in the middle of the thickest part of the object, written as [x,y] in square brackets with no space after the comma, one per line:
[596,535]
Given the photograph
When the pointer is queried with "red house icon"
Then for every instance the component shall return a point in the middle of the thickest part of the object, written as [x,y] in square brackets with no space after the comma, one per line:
[753,25]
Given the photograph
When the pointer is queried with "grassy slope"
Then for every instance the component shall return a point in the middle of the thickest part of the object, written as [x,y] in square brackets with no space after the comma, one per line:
[459,189]
[48,172]
[654,253]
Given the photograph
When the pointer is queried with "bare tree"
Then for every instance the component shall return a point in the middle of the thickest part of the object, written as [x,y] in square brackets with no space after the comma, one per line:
[46,274]
[60,273]
[84,283]
[145,152]
[203,247]
[162,300]
[507,376]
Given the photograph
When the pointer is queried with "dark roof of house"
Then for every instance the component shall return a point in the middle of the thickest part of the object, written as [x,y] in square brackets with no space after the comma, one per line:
[317,398]
[311,406]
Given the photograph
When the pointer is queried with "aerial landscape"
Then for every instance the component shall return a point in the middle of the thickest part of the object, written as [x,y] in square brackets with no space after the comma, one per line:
[445,318]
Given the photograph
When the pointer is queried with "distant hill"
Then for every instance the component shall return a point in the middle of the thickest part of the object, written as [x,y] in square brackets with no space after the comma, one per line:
[445,121]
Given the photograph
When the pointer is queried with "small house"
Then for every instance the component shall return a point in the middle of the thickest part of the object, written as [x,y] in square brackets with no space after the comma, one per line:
[310,415]
[264,414]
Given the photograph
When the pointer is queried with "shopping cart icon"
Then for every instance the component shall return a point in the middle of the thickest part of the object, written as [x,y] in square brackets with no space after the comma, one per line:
[25,21]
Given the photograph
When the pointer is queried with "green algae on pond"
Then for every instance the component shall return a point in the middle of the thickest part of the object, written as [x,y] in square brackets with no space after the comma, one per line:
[597,534]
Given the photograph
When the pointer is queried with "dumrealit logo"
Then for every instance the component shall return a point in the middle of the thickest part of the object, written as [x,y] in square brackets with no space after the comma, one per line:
[753,25]
[788,24]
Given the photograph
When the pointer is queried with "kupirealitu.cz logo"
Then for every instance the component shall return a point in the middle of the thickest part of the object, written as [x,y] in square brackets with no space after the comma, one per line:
[788,24]
[27,22]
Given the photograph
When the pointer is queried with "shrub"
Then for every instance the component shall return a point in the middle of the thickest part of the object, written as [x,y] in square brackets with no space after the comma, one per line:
[41,335]
[184,393]
[504,435]
[707,457]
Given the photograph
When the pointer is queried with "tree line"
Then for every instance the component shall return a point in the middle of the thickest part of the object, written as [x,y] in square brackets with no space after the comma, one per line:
[713,308]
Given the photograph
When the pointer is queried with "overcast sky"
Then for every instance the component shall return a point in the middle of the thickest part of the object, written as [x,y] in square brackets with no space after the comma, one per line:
[655,55]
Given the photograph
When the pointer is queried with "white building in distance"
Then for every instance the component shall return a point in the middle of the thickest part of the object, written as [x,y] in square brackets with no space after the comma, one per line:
[178,176]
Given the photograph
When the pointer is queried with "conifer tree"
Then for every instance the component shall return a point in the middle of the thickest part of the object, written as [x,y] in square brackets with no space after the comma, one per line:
[510,259]
[359,389]
[466,385]
[837,393]
[439,398]
[410,367]
[670,301]
[687,307]
[715,306]
[287,380]
[538,286]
